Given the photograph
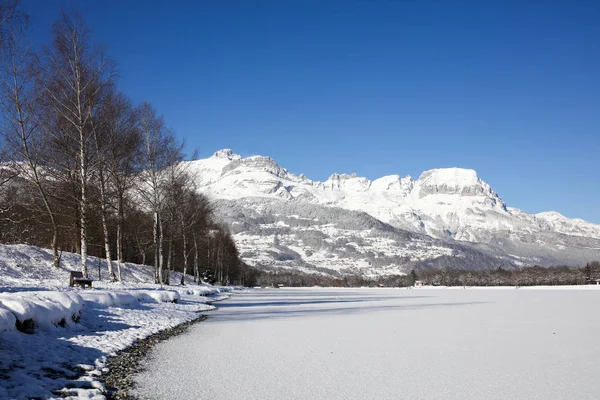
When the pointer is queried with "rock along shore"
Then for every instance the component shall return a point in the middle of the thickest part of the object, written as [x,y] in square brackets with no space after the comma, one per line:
[122,367]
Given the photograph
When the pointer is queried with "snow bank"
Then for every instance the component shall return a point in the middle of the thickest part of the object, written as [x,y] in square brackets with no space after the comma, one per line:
[101,298]
[67,363]
[46,309]
[231,289]
[157,296]
[7,320]
[42,309]
[35,298]
[201,290]
[30,310]
[215,292]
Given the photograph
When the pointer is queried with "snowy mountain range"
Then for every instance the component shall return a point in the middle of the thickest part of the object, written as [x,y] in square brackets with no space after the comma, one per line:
[349,224]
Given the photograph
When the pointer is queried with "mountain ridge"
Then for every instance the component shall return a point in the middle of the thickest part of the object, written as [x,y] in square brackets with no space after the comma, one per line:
[449,204]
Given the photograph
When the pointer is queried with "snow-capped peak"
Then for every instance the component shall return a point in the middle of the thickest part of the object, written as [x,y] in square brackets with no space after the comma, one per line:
[454,181]
[336,176]
[451,177]
[226,153]
[551,215]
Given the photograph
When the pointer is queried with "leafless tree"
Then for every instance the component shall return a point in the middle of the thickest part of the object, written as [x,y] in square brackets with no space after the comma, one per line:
[160,151]
[12,24]
[73,76]
[178,185]
[87,158]
[22,133]
[11,18]
[100,133]
[117,145]
[194,214]
[123,159]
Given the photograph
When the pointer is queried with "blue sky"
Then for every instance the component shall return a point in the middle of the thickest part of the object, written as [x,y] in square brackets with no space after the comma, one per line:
[377,87]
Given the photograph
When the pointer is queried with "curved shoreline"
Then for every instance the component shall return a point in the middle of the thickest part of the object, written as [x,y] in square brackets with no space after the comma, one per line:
[118,380]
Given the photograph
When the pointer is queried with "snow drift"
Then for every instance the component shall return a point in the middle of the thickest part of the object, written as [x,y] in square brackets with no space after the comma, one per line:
[43,310]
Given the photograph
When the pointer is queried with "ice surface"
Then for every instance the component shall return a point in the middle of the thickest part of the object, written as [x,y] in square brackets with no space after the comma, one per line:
[386,344]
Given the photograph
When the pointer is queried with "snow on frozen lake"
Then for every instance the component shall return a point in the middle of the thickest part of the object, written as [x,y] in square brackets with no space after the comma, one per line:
[386,344]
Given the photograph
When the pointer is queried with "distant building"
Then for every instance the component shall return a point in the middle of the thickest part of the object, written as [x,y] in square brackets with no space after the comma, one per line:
[418,283]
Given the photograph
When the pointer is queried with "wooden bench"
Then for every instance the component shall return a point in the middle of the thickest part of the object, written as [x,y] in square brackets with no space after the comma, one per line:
[76,278]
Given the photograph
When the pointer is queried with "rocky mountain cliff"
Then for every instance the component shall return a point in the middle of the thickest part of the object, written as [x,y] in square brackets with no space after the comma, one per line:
[349,224]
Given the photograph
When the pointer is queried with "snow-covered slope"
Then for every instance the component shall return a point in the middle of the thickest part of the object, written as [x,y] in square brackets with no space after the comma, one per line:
[55,340]
[335,241]
[450,204]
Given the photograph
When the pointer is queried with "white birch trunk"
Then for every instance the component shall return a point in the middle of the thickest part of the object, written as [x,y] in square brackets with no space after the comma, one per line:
[161,260]
[169,260]
[185,254]
[157,250]
[83,203]
[120,238]
[196,269]
[111,272]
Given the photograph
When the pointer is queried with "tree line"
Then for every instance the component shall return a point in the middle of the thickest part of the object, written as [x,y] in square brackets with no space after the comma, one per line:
[526,276]
[86,170]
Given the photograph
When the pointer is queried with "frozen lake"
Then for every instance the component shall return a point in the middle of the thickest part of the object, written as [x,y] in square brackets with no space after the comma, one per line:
[386,344]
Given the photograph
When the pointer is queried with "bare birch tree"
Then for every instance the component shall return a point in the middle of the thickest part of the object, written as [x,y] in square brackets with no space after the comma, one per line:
[24,139]
[124,145]
[117,145]
[194,214]
[160,151]
[177,182]
[101,145]
[73,75]
[12,24]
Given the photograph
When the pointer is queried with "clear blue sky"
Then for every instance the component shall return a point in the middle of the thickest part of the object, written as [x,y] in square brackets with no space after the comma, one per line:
[377,87]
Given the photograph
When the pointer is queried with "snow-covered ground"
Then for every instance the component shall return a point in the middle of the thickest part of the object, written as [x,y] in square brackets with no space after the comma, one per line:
[507,343]
[55,339]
